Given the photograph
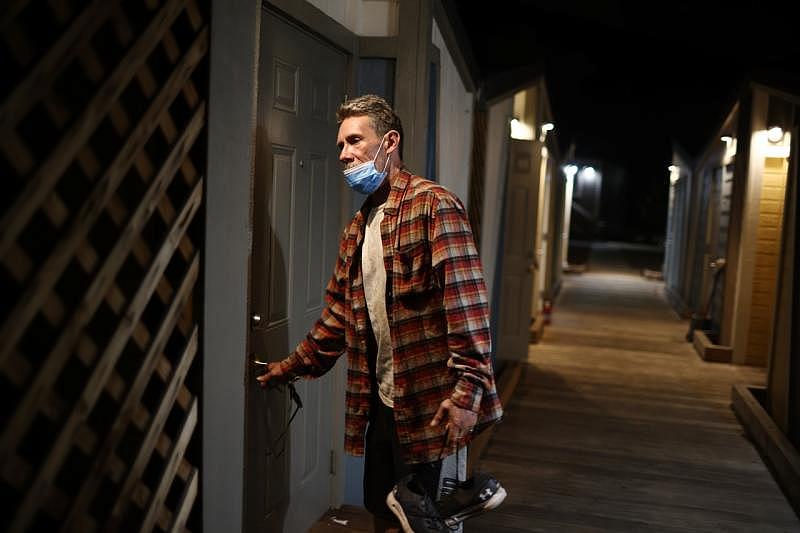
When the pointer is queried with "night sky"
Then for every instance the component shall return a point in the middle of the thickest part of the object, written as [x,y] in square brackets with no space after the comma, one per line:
[627,78]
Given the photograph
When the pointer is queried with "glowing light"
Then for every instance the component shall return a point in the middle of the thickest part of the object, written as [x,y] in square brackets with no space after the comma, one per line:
[520,130]
[774,134]
[726,138]
[589,173]
[730,149]
[570,171]
[674,174]
[548,126]
[781,148]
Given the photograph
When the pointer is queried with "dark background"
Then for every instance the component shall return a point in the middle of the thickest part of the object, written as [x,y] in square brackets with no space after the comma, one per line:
[627,78]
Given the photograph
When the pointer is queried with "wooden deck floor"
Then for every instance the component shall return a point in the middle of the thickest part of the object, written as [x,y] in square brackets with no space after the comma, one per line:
[618,426]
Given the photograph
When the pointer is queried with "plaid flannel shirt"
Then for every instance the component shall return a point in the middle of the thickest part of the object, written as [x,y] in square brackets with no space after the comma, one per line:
[438,319]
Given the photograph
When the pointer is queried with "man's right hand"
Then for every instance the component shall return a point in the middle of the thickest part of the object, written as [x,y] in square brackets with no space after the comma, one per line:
[272,376]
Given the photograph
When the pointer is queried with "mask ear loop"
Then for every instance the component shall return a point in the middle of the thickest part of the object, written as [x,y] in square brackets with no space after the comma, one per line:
[374,159]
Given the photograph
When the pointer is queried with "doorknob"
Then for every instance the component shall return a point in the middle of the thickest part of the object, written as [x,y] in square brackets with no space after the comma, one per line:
[257,323]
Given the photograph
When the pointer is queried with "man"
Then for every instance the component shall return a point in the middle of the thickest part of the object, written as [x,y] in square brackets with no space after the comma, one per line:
[407,303]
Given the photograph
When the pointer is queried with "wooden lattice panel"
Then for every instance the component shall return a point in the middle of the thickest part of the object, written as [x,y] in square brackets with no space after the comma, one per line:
[102,157]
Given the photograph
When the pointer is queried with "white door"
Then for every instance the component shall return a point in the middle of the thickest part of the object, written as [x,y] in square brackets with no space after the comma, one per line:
[296,226]
[518,252]
[541,229]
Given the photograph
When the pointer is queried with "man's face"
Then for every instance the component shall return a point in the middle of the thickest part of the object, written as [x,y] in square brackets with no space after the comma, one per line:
[357,141]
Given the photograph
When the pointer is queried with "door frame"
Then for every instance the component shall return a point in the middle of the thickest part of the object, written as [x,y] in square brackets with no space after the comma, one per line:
[228,226]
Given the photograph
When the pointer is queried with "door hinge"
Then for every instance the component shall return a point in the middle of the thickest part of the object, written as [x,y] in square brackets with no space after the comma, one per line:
[333,463]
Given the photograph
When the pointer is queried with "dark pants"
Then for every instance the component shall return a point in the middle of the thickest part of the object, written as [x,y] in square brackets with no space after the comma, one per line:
[383,461]
[384,466]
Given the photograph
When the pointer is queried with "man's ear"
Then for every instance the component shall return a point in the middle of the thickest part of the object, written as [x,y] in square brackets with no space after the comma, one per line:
[392,141]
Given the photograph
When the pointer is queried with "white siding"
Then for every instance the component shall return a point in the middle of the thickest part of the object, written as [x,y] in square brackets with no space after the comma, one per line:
[497,131]
[454,124]
[369,18]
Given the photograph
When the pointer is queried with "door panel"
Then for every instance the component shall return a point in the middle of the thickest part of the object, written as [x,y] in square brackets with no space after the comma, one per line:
[518,252]
[540,228]
[295,227]
[317,215]
[280,210]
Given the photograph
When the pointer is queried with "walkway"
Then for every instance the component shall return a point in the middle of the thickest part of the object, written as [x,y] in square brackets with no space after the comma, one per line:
[618,426]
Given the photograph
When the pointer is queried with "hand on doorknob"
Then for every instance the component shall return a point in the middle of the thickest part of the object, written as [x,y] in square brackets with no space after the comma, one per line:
[273,374]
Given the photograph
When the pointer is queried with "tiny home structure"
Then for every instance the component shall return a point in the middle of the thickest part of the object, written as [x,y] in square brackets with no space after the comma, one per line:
[521,245]
[733,226]
[724,228]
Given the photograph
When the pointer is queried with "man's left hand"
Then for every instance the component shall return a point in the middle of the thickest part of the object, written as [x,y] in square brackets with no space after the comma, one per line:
[459,421]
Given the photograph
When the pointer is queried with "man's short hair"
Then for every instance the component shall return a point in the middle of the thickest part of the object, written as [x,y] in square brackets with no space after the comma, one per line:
[380,113]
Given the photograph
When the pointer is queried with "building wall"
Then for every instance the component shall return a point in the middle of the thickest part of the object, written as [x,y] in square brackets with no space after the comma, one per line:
[783,374]
[767,254]
[557,211]
[676,242]
[454,124]
[495,177]
[705,199]
[372,18]
[233,91]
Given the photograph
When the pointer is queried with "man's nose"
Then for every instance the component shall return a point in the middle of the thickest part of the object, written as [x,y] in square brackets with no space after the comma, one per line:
[344,155]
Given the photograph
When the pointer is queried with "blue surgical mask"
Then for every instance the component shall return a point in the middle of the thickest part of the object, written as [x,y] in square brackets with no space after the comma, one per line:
[365,177]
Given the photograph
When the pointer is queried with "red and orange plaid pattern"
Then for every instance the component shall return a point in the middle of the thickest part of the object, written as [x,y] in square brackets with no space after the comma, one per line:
[438,315]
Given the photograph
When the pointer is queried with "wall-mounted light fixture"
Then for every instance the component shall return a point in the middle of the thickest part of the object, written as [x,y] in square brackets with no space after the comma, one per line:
[570,171]
[674,174]
[775,142]
[547,126]
[775,134]
[730,148]
[520,130]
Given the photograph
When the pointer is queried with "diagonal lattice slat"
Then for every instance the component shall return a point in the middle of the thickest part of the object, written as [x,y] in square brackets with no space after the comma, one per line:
[102,131]
[42,182]
[33,87]
[15,325]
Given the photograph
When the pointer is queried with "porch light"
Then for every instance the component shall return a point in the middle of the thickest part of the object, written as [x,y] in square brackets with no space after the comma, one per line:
[774,134]
[547,126]
[674,174]
[775,148]
[520,130]
[730,148]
